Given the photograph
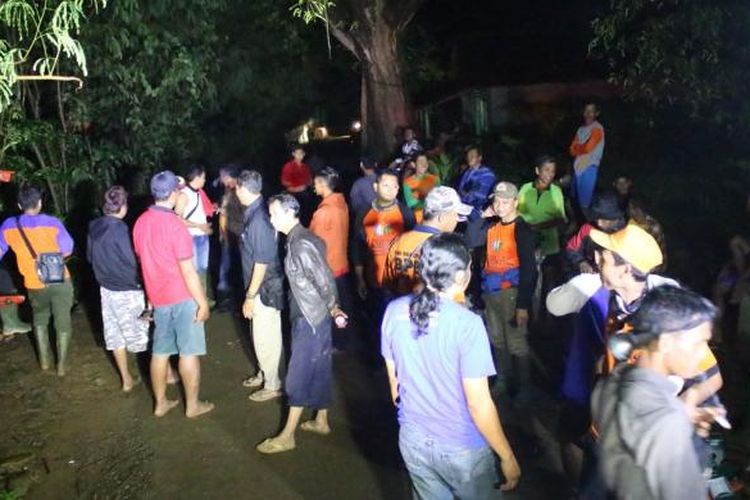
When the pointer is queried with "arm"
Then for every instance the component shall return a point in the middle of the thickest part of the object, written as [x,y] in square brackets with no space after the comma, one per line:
[409,220]
[64,239]
[700,392]
[597,134]
[315,267]
[484,414]
[359,251]
[409,198]
[181,204]
[526,245]
[285,181]
[392,380]
[573,295]
[194,286]
[574,146]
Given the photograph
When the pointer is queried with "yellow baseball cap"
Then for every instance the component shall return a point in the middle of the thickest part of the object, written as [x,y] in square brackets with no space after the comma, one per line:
[633,244]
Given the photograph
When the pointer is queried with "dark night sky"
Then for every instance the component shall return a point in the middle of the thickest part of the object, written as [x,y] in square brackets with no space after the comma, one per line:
[487,42]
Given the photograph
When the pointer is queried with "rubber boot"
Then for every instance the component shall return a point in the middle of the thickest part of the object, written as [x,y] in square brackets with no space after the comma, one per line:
[63,346]
[41,335]
[204,282]
[12,324]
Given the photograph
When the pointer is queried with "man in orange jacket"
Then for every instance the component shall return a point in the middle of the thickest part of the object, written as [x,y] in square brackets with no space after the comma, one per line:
[330,222]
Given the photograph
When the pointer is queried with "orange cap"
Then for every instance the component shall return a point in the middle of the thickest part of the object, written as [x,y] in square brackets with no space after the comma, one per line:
[633,244]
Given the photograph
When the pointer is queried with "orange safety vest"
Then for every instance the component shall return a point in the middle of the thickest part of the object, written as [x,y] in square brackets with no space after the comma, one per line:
[502,251]
[381,227]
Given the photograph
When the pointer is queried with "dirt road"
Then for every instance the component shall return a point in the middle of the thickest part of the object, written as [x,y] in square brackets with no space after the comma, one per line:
[80,437]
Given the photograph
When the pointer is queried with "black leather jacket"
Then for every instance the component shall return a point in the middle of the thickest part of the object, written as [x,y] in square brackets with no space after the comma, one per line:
[310,279]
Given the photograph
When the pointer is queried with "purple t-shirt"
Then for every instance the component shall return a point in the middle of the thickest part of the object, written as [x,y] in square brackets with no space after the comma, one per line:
[430,369]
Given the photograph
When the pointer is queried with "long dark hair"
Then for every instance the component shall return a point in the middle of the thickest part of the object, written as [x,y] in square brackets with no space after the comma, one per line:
[442,257]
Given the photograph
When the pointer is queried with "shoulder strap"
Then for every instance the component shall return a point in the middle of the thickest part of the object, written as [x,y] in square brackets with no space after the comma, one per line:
[25,238]
[197,204]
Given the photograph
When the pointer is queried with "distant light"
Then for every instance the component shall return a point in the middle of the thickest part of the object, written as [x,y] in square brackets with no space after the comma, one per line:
[356,126]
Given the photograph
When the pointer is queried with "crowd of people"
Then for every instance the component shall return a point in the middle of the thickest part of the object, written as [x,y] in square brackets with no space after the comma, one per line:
[439,288]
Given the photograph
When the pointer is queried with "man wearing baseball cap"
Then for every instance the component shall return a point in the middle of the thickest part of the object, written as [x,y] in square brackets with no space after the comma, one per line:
[508,281]
[603,304]
[442,212]
[165,249]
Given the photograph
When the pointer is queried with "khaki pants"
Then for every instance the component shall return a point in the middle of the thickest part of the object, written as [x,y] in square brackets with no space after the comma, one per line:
[508,340]
[267,342]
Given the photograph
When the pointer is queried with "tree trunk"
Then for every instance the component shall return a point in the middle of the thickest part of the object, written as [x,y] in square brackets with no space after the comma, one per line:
[371,34]
[384,103]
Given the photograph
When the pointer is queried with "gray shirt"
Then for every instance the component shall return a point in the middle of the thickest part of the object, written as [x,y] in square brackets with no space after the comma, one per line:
[645,438]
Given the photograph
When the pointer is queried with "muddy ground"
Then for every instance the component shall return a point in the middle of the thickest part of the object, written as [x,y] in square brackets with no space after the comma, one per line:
[80,437]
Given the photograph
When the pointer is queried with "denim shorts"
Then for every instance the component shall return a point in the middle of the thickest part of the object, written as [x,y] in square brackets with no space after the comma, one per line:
[176,332]
[440,471]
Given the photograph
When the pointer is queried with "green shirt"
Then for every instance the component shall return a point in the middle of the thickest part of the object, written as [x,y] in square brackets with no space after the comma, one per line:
[537,207]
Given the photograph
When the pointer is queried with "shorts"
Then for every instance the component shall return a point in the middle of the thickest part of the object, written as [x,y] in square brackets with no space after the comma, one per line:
[176,332]
[122,327]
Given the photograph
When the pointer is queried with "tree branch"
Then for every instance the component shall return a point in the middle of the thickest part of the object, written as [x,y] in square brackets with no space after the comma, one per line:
[57,78]
[345,39]
[400,14]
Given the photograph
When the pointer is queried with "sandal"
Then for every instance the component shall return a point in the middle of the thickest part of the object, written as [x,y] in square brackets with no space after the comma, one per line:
[311,426]
[253,381]
[275,445]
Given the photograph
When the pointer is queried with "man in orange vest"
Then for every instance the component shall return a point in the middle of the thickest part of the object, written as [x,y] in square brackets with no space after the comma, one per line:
[442,212]
[508,281]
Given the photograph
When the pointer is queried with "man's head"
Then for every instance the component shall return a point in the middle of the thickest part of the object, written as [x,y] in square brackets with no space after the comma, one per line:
[30,200]
[298,153]
[228,176]
[421,164]
[195,176]
[115,202]
[545,170]
[606,213]
[505,200]
[326,182]
[443,209]
[590,112]
[675,325]
[626,257]
[283,210]
[367,165]
[409,134]
[622,184]
[164,187]
[249,186]
[473,156]
[386,186]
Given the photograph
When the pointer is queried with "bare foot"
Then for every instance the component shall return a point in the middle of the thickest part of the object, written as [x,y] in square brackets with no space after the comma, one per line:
[316,428]
[127,385]
[277,444]
[200,408]
[163,409]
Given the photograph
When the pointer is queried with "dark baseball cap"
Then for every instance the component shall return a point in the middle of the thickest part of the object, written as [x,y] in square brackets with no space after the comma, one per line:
[163,184]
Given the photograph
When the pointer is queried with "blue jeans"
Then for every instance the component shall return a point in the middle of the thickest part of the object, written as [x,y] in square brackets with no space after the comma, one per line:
[200,253]
[443,472]
[584,185]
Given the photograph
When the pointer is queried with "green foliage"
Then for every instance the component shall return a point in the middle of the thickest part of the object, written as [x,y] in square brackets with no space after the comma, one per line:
[311,10]
[691,53]
[445,166]
[37,36]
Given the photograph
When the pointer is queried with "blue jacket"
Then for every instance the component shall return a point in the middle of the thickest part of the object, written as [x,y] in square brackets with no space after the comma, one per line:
[475,186]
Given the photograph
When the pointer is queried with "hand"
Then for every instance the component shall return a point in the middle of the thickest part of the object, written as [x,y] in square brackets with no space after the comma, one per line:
[206,228]
[586,268]
[511,471]
[202,313]
[361,288]
[247,307]
[340,318]
[488,212]
[522,317]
